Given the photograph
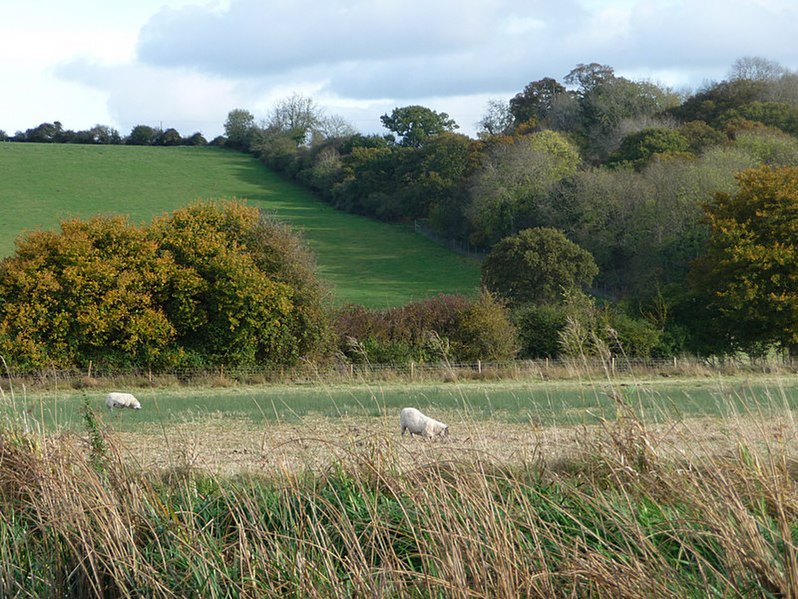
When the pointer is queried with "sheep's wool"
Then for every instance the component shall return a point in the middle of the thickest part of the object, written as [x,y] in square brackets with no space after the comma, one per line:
[121,400]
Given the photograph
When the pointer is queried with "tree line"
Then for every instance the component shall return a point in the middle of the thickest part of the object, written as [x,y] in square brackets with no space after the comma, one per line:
[140,135]
[615,179]
[617,217]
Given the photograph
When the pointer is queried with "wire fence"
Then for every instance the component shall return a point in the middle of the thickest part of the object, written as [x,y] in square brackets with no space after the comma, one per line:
[457,246]
[309,373]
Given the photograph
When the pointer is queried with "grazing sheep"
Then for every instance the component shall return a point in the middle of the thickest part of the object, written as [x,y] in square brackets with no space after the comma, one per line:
[416,423]
[121,400]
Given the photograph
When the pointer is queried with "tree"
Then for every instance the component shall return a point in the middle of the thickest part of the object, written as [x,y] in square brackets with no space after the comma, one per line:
[639,148]
[142,135]
[44,133]
[768,146]
[537,265]
[716,99]
[587,77]
[334,125]
[256,303]
[756,68]
[430,174]
[94,292]
[536,101]
[169,137]
[515,173]
[415,124]
[102,134]
[749,273]
[296,117]
[239,129]
[497,120]
[213,283]
[196,139]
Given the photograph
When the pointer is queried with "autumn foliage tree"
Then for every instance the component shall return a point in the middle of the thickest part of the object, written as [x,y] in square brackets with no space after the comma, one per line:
[749,273]
[213,283]
[96,291]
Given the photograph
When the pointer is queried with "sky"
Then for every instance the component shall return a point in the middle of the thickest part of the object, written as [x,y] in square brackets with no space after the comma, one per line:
[187,63]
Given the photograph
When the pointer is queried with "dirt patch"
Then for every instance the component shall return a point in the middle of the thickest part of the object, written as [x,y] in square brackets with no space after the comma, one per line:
[228,446]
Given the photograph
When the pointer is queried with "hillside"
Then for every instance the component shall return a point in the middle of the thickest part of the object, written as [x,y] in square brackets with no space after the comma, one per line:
[364,261]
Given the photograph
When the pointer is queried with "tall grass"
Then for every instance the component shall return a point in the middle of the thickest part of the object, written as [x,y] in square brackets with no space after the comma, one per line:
[621,519]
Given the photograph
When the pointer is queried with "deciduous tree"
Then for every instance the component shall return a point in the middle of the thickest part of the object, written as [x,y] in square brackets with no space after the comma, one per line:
[537,265]
[239,129]
[415,124]
[749,274]
[536,101]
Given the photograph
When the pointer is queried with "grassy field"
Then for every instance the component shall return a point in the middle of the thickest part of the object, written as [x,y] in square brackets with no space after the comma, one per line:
[537,403]
[364,261]
[689,488]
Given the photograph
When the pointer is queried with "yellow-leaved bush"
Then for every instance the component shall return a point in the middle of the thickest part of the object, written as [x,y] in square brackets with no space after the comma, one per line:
[213,283]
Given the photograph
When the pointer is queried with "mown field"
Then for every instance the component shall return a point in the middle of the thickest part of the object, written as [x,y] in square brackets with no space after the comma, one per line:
[366,262]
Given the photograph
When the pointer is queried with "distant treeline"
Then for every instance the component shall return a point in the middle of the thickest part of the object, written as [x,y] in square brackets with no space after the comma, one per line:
[140,135]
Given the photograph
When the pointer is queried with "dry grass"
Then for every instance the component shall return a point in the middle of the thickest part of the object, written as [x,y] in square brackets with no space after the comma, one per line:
[227,446]
[346,507]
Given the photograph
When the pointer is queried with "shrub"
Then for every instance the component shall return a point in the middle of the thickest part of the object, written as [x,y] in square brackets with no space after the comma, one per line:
[446,326]
[485,332]
[539,328]
[216,282]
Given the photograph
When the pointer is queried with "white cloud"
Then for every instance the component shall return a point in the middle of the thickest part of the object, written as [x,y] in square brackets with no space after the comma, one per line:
[186,63]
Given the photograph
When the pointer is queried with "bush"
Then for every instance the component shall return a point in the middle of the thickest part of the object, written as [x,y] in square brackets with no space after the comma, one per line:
[215,281]
[485,332]
[539,328]
[444,327]
[594,330]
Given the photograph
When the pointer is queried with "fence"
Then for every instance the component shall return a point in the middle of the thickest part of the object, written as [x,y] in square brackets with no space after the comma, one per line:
[309,373]
[460,247]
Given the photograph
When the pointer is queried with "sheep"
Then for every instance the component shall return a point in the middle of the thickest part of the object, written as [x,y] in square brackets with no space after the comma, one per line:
[416,423]
[121,400]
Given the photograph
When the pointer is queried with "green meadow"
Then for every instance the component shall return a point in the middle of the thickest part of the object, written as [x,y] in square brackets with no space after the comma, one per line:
[545,403]
[363,261]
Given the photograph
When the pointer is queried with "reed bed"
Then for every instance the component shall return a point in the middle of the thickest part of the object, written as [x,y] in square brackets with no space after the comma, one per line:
[620,519]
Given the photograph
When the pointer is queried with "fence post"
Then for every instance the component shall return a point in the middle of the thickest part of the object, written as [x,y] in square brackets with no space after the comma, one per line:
[479,366]
[412,371]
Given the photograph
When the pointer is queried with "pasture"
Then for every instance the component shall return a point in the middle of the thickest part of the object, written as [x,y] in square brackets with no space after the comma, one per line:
[605,488]
[235,428]
[363,261]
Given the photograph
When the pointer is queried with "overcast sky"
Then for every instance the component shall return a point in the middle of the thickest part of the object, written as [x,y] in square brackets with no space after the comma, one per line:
[187,63]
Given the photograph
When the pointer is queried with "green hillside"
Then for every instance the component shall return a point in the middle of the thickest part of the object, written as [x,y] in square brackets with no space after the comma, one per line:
[364,261]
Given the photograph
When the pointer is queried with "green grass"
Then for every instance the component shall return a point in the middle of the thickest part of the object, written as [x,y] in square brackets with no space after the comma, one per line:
[364,261]
[545,403]
[621,518]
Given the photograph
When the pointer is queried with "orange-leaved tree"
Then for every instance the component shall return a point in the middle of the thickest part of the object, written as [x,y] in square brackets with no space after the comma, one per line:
[748,276]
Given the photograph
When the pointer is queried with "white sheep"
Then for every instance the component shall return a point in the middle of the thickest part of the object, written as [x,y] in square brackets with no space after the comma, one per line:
[121,400]
[416,423]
